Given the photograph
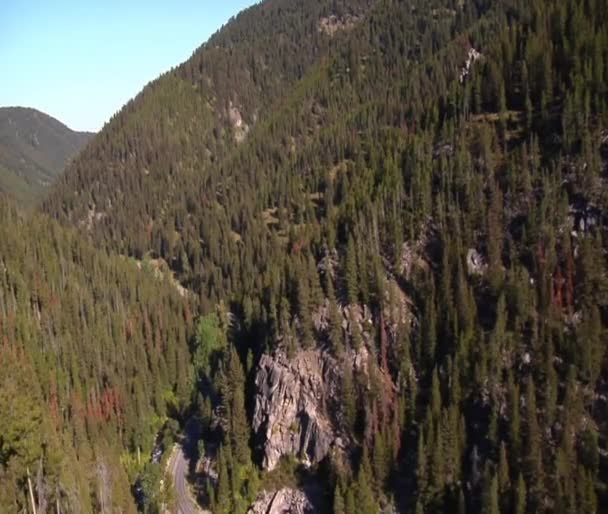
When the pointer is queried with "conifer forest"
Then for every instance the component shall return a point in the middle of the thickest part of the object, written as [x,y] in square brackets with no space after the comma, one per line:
[350,257]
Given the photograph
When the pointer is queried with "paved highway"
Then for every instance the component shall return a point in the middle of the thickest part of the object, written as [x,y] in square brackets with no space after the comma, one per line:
[178,466]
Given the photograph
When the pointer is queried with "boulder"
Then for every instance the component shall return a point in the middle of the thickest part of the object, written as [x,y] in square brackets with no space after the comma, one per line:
[284,501]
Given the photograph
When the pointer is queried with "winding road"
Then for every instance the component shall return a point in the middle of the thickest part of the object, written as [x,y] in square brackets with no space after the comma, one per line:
[178,467]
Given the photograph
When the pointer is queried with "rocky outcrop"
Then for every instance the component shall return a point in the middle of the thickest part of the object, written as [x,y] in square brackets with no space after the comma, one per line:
[293,400]
[332,24]
[299,409]
[284,501]
[472,57]
[476,264]
[239,126]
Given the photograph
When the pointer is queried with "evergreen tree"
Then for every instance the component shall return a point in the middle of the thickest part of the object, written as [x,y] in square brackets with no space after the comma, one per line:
[490,497]
[234,401]
[534,463]
[339,506]
[365,498]
[520,496]
[352,278]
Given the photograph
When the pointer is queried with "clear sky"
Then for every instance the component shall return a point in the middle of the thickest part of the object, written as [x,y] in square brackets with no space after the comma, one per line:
[81,60]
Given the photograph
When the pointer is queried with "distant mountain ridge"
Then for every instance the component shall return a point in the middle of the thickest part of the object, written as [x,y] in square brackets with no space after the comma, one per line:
[34,149]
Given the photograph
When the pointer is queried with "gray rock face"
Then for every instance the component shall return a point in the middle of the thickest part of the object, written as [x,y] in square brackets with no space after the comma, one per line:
[299,410]
[293,404]
[284,501]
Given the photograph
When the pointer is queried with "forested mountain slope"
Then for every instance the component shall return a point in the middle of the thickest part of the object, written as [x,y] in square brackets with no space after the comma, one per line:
[34,150]
[402,204]
[173,135]
[93,355]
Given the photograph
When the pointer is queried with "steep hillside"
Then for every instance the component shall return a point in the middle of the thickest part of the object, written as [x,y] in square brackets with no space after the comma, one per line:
[93,355]
[394,214]
[34,150]
[171,138]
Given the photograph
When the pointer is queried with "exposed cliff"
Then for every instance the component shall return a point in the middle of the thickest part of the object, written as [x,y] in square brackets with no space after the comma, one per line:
[296,406]
[299,403]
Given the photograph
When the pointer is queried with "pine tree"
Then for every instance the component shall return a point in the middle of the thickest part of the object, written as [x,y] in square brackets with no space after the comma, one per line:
[534,463]
[436,401]
[339,504]
[351,503]
[380,460]
[222,498]
[429,341]
[504,481]
[336,337]
[316,292]
[304,309]
[490,496]
[421,469]
[514,419]
[349,396]
[235,407]
[352,280]
[520,496]
[495,236]
[366,501]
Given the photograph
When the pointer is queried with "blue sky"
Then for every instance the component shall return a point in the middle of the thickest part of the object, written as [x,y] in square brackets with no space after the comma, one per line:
[81,60]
